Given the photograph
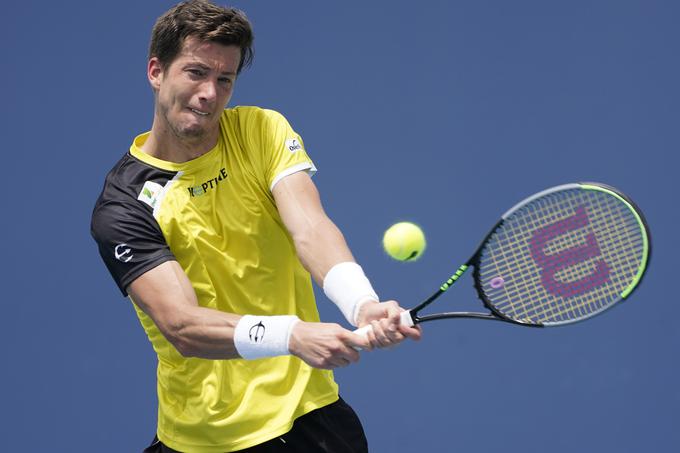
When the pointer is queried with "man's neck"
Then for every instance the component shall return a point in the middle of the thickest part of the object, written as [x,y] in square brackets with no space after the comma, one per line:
[164,144]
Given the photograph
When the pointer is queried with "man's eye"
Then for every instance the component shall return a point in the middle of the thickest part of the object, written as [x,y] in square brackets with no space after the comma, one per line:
[195,72]
[225,80]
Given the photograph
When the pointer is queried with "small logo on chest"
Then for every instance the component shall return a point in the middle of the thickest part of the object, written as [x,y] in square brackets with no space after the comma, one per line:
[202,189]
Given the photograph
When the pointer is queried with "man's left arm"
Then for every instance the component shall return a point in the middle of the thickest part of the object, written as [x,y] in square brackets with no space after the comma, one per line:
[321,247]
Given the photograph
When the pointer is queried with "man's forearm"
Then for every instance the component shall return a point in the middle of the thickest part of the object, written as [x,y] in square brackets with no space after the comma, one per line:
[203,332]
[320,247]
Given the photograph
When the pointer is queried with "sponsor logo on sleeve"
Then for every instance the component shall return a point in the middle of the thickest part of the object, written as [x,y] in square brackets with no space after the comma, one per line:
[150,192]
[123,253]
[293,145]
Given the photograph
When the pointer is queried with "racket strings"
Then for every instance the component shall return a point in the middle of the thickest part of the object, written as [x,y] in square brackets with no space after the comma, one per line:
[562,257]
[573,308]
[601,296]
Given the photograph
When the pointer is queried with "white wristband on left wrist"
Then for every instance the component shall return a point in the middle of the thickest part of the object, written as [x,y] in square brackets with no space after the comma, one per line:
[347,286]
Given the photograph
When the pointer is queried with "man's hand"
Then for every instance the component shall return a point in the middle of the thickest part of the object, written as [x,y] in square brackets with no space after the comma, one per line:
[385,319]
[326,346]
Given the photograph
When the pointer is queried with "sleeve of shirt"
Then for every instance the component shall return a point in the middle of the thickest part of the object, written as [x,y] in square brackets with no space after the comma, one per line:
[284,150]
[129,239]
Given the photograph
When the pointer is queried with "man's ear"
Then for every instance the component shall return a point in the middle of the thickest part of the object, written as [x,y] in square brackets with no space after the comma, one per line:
[154,72]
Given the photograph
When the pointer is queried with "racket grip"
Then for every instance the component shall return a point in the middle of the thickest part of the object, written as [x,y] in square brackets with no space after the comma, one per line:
[406,320]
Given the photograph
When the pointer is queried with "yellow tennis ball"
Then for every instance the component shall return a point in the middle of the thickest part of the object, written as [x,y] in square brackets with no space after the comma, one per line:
[404,241]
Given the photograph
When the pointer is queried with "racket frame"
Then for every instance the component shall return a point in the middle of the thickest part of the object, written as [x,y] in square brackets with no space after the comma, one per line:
[495,314]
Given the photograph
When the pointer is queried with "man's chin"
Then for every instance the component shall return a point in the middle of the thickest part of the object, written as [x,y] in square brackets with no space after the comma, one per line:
[193,132]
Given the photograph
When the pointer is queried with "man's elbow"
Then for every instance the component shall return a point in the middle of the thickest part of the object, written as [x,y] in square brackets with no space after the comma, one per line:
[175,333]
[303,242]
[314,233]
[185,348]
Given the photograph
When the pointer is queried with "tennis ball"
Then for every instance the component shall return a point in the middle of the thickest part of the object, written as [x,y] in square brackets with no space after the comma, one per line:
[404,241]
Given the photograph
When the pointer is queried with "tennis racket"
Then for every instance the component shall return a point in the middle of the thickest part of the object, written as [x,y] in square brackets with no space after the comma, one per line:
[560,256]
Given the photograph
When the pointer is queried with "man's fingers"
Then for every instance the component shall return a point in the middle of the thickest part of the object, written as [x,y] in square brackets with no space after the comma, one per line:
[387,333]
[346,353]
[405,331]
[386,327]
[339,356]
[414,333]
[392,324]
[358,342]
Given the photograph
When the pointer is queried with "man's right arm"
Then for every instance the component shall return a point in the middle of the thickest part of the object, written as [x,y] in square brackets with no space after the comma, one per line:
[166,295]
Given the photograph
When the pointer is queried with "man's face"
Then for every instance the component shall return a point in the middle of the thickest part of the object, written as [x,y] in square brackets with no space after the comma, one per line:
[194,89]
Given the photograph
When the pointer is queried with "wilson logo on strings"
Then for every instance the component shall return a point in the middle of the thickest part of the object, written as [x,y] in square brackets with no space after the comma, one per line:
[572,256]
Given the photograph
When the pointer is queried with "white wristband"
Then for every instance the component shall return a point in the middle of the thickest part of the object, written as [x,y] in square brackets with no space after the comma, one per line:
[263,336]
[348,287]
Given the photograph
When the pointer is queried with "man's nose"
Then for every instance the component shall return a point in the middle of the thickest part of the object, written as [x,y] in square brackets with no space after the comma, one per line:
[208,90]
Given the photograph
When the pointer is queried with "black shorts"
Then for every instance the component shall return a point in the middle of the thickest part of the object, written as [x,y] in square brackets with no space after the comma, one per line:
[331,429]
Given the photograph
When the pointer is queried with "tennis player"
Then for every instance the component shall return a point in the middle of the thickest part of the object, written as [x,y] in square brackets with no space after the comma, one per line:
[212,225]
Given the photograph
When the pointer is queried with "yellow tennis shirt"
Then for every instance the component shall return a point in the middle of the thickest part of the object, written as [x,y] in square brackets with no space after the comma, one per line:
[216,216]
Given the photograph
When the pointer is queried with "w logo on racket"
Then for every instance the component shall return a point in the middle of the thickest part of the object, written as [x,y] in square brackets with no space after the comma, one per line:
[575,252]
[256,333]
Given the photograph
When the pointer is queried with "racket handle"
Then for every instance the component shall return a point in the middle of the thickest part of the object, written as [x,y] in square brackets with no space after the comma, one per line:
[406,320]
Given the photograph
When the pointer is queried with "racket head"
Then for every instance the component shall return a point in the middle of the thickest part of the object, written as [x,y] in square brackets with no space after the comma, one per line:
[563,255]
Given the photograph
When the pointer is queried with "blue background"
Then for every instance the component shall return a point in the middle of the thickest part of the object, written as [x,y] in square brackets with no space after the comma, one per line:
[445,113]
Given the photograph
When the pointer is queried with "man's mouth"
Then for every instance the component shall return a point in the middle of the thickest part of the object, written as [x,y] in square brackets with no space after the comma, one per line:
[199,112]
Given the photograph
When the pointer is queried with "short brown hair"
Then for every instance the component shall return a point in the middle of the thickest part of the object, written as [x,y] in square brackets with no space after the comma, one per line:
[205,21]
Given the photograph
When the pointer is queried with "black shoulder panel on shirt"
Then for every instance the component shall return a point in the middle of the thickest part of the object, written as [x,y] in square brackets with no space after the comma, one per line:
[129,238]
